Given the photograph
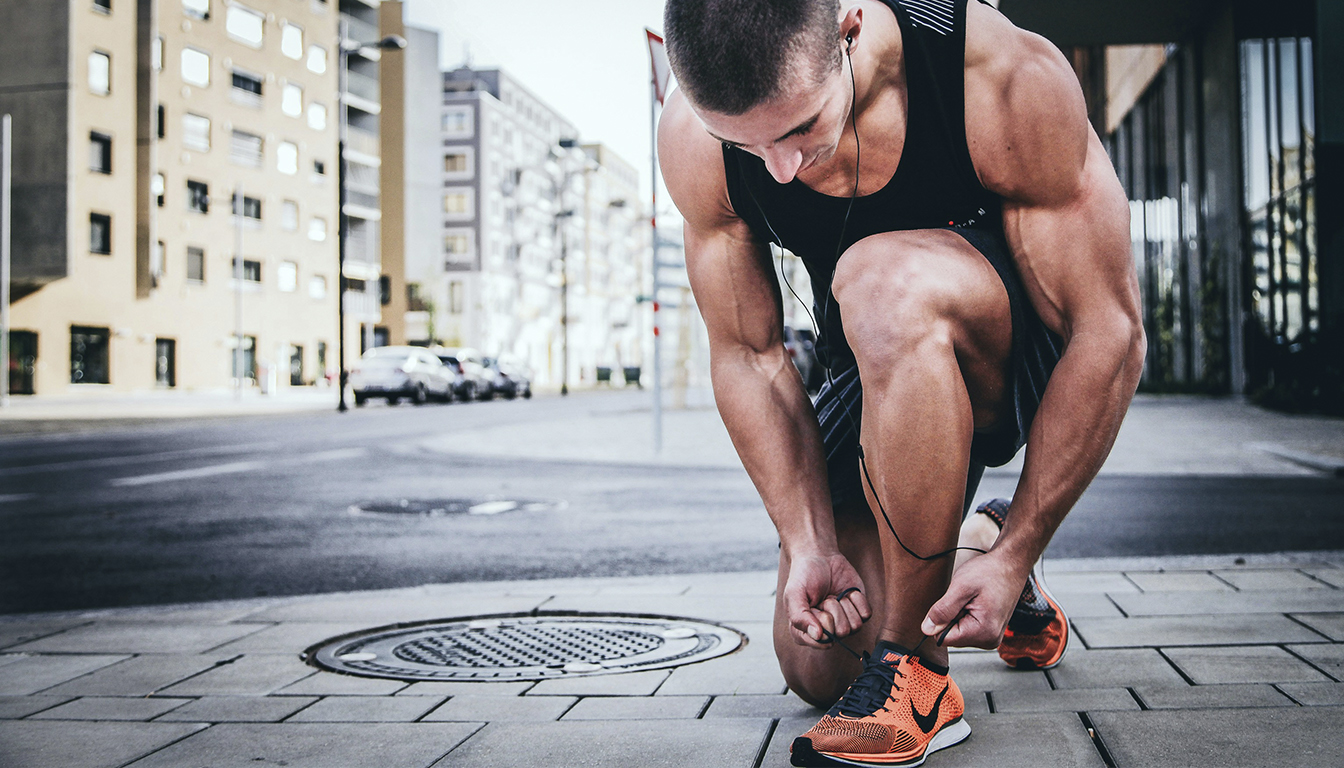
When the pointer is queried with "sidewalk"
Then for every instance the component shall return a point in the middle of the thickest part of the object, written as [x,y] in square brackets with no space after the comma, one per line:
[1176,662]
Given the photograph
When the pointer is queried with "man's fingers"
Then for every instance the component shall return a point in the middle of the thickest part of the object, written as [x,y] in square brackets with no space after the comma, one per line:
[860,603]
[851,613]
[945,611]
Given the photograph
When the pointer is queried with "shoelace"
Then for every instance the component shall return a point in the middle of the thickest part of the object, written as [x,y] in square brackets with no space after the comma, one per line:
[871,690]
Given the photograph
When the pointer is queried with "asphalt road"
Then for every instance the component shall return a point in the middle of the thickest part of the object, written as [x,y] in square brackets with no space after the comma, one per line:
[207,509]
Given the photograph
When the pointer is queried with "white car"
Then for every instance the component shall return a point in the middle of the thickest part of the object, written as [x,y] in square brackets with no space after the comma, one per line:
[397,372]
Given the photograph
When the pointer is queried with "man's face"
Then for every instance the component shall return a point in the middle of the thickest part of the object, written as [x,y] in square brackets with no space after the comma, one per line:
[793,132]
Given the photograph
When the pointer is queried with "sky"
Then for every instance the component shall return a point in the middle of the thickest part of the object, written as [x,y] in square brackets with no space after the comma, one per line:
[587,59]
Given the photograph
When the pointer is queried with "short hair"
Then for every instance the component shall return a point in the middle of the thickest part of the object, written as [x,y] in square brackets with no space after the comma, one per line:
[730,56]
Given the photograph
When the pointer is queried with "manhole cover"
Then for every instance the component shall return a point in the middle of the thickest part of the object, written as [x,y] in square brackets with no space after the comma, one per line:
[444,507]
[525,647]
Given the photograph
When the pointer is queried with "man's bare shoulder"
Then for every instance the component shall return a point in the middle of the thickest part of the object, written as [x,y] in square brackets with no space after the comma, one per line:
[1026,120]
[692,164]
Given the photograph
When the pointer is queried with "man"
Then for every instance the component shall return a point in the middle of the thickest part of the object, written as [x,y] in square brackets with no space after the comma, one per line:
[968,244]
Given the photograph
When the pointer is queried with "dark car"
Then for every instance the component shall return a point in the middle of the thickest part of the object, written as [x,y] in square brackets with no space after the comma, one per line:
[802,348]
[509,378]
[474,382]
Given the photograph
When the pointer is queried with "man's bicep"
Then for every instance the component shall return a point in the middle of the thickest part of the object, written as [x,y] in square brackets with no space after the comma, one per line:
[732,277]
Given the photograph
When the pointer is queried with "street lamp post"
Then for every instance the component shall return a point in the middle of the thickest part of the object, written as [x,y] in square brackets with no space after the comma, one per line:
[345,47]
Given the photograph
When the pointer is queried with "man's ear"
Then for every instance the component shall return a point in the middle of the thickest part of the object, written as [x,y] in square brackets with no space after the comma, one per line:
[851,23]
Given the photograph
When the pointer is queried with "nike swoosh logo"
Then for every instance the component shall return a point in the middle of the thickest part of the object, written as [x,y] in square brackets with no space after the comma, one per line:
[927,722]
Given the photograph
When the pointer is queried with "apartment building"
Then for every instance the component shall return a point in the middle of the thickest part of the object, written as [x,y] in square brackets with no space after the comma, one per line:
[175,183]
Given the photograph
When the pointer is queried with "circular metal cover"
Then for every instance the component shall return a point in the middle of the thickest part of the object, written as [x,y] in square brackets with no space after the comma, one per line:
[443,507]
[524,647]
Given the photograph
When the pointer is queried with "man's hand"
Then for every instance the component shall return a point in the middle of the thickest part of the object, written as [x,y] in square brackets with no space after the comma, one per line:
[977,604]
[810,597]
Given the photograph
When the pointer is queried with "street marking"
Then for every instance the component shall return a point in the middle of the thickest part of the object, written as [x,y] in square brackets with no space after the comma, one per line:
[4,497]
[112,461]
[237,467]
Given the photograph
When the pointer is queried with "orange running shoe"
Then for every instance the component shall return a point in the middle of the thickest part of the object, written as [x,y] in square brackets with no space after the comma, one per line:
[1038,631]
[898,711]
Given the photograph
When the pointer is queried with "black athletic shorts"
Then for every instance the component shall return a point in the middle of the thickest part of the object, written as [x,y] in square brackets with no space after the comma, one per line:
[1036,349]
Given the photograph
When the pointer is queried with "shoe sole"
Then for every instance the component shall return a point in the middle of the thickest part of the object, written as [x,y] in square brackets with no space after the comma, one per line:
[950,735]
[1038,571]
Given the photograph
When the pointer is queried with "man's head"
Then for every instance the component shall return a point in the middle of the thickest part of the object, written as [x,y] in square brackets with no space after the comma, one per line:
[733,55]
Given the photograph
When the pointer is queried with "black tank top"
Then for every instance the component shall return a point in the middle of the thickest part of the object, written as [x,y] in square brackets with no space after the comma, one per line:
[935,185]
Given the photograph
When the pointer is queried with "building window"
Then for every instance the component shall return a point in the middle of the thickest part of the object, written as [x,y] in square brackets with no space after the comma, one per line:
[196,132]
[197,8]
[291,100]
[458,204]
[251,270]
[156,54]
[156,264]
[195,67]
[291,41]
[102,6]
[195,264]
[317,229]
[100,73]
[287,276]
[459,164]
[295,365]
[319,169]
[246,89]
[317,287]
[100,233]
[385,290]
[165,362]
[456,245]
[287,158]
[455,297]
[317,59]
[159,127]
[245,25]
[158,187]
[246,149]
[457,122]
[251,207]
[88,355]
[289,215]
[198,196]
[100,152]
[317,116]
[248,357]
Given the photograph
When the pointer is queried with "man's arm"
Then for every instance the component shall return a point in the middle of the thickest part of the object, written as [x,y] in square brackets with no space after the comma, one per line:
[1067,221]
[759,393]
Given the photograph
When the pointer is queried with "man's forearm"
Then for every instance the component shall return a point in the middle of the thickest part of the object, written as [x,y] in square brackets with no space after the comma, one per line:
[1075,427]
[770,420]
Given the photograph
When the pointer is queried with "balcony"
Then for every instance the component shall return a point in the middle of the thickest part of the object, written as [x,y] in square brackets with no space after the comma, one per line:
[363,142]
[362,85]
[360,31]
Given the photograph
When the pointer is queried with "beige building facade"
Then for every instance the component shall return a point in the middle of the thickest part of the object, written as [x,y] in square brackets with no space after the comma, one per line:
[140,122]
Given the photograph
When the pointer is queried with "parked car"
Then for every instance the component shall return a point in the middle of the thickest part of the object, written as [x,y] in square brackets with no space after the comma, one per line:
[475,383]
[510,378]
[802,349]
[397,372]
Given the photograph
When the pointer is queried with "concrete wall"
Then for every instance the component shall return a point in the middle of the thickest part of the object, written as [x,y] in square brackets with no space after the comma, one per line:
[423,201]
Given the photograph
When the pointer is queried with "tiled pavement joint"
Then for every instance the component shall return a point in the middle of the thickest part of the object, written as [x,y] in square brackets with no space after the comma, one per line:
[1097,740]
[1308,662]
[1175,666]
[1306,626]
[765,742]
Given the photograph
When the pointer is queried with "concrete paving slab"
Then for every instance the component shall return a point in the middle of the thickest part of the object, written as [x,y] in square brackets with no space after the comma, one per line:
[727,676]
[251,675]
[1315,694]
[638,708]
[1052,740]
[1327,658]
[1332,576]
[1185,603]
[314,745]
[1178,581]
[1245,664]
[224,612]
[1212,696]
[289,637]
[378,610]
[724,608]
[366,709]
[15,631]
[1156,631]
[1117,668]
[138,676]
[1258,580]
[456,688]
[725,743]
[15,707]
[1097,582]
[238,709]
[1217,738]
[36,744]
[1329,624]
[494,709]
[132,637]
[784,707]
[139,708]
[332,684]
[628,684]
[987,672]
[33,673]
[1077,700]
[760,583]
[1079,605]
